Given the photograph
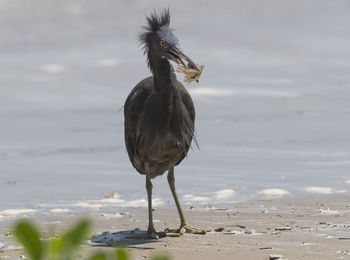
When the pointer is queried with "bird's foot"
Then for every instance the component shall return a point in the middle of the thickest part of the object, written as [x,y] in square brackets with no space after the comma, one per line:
[185,229]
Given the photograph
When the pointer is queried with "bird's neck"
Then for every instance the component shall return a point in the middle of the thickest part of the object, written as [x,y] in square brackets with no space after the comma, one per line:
[163,72]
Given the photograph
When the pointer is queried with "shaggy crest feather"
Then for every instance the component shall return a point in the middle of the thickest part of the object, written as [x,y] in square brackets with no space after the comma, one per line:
[155,22]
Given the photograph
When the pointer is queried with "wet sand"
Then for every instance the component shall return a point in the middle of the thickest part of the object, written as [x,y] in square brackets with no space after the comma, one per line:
[314,227]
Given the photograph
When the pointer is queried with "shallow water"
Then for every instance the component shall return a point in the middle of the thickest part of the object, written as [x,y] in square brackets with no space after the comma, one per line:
[272,106]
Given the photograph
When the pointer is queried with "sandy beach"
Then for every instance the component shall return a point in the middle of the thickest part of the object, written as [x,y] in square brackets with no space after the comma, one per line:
[315,227]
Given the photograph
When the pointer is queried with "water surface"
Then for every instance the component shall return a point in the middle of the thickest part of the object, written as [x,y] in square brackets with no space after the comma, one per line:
[272,106]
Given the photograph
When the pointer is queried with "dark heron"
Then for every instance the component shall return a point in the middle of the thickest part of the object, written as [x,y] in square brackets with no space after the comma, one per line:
[159,114]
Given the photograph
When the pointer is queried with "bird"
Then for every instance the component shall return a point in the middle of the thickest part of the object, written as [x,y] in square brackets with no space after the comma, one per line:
[159,114]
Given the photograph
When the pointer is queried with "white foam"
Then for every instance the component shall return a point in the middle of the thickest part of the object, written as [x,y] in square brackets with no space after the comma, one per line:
[60,210]
[208,91]
[14,212]
[157,202]
[211,92]
[193,198]
[223,194]
[53,68]
[119,202]
[136,203]
[88,205]
[329,212]
[273,193]
[115,215]
[328,163]
[107,62]
[341,191]
[142,203]
[319,190]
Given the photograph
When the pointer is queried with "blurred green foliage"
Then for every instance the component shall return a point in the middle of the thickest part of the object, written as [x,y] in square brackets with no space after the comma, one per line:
[63,247]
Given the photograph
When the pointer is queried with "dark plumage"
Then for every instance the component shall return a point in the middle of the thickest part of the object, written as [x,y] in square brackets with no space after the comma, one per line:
[159,112]
[159,125]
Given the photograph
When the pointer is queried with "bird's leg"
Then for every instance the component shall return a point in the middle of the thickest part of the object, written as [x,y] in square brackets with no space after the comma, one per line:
[184,227]
[151,231]
[171,181]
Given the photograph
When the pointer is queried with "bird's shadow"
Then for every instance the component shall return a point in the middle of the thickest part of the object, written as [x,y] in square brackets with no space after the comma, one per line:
[128,238]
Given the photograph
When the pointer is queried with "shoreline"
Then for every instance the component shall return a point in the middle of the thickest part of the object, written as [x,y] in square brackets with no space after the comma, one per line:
[313,227]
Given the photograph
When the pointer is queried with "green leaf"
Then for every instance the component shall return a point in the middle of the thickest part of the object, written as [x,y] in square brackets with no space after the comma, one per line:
[28,235]
[71,240]
[54,248]
[98,256]
[78,233]
[122,254]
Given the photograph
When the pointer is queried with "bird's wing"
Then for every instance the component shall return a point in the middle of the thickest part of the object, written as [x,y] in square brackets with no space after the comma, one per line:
[188,103]
[133,112]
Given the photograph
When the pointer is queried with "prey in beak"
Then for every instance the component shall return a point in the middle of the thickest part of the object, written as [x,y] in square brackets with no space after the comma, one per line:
[191,70]
[181,58]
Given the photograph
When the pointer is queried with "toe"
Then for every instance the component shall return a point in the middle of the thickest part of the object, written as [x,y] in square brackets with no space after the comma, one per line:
[185,229]
[182,230]
[193,230]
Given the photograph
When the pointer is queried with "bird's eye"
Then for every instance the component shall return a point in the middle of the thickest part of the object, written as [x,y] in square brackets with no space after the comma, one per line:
[163,44]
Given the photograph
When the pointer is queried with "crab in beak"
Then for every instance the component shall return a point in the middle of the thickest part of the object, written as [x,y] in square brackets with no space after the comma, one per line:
[180,58]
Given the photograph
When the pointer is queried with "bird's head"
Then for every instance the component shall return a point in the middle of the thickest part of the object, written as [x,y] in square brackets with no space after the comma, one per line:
[159,40]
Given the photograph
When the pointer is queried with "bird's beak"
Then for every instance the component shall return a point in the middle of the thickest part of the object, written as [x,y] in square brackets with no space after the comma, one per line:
[180,58]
